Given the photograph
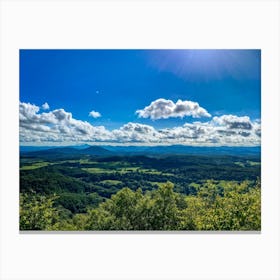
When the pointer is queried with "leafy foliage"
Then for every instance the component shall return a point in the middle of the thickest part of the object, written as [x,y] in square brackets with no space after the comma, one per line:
[37,212]
[231,207]
[76,179]
[237,209]
[140,192]
[128,210]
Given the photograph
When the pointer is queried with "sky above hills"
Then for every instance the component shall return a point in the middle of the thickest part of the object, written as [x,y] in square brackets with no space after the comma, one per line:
[143,97]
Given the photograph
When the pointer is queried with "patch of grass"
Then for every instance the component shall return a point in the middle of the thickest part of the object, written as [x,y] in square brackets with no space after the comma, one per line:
[35,165]
[253,163]
[81,161]
[240,163]
[150,171]
[118,164]
[248,163]
[111,182]
[128,170]
[154,171]
[123,170]
[98,170]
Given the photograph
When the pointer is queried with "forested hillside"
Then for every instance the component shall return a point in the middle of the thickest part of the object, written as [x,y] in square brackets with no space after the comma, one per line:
[187,192]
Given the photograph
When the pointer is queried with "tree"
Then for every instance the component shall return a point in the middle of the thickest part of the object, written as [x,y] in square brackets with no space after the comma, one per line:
[165,211]
[128,210]
[217,206]
[238,209]
[37,212]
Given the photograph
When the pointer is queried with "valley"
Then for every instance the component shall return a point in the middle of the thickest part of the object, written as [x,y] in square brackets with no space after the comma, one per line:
[83,179]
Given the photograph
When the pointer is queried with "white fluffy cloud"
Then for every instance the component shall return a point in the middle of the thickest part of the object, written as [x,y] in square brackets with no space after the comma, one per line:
[233,122]
[164,109]
[136,132]
[94,114]
[60,126]
[56,125]
[45,106]
[214,133]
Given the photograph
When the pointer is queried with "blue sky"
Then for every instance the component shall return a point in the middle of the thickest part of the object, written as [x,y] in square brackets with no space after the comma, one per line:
[117,83]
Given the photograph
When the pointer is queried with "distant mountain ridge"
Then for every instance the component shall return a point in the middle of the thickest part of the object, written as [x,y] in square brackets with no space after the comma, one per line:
[185,150]
[139,150]
[41,148]
[91,150]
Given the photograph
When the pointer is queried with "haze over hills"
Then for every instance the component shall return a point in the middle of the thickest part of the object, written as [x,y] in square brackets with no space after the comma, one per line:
[41,148]
[139,150]
[56,151]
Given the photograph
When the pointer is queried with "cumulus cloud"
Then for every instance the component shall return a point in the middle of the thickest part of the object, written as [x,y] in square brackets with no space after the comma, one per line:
[237,130]
[94,114]
[257,127]
[182,133]
[258,131]
[60,126]
[45,106]
[226,130]
[136,132]
[56,125]
[234,122]
[164,109]
[27,110]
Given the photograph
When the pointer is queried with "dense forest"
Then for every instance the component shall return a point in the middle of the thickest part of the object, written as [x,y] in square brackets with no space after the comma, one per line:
[68,191]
